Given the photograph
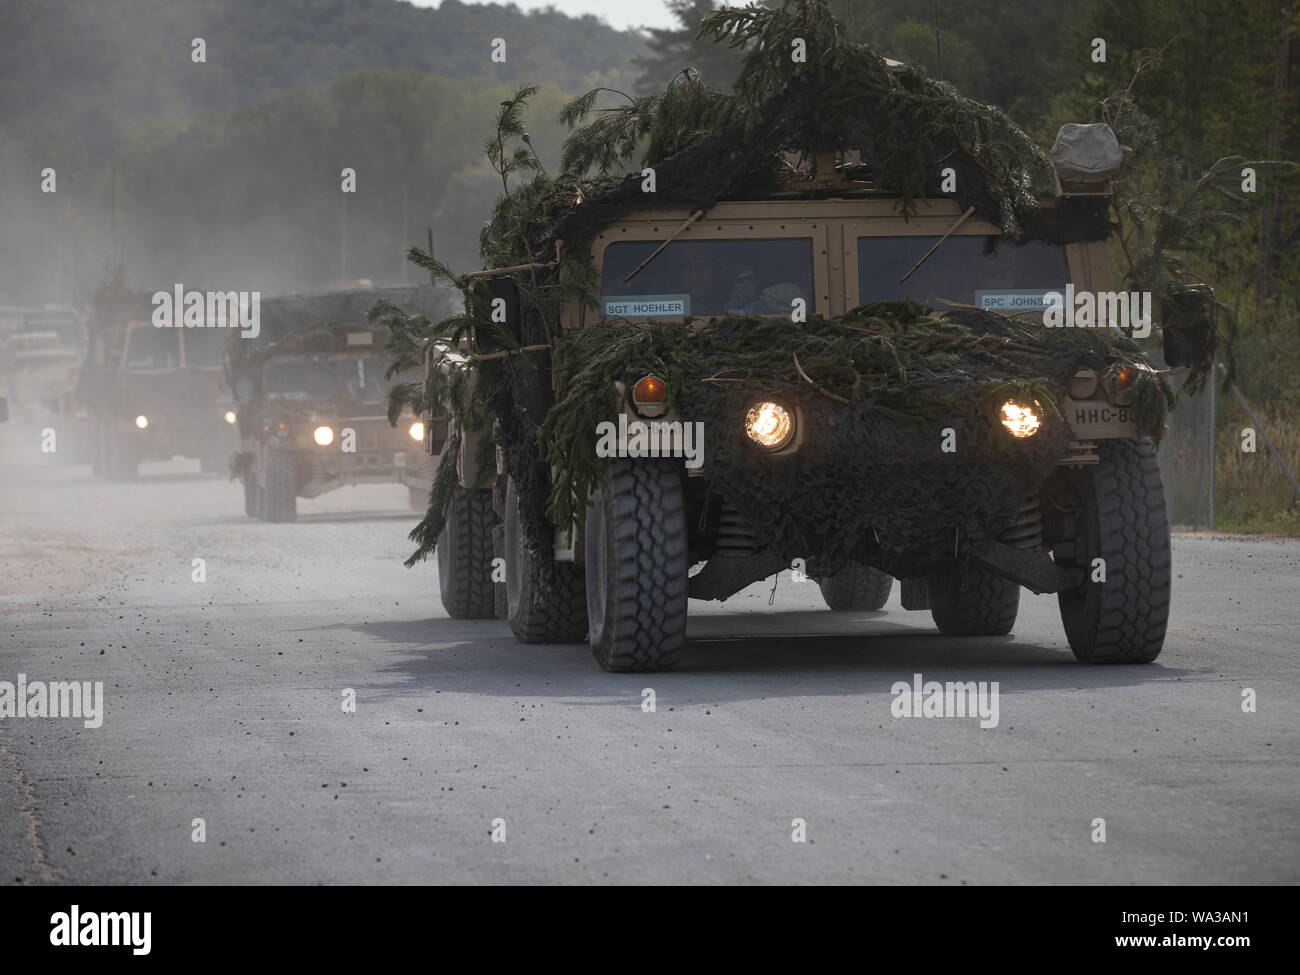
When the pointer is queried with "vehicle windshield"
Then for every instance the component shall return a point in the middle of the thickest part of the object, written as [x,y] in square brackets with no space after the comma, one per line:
[204,346]
[43,346]
[67,329]
[303,377]
[698,278]
[148,347]
[1010,279]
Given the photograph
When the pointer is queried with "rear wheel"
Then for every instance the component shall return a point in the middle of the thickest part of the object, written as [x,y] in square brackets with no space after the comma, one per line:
[545,602]
[465,555]
[987,606]
[636,567]
[279,494]
[857,587]
[1122,618]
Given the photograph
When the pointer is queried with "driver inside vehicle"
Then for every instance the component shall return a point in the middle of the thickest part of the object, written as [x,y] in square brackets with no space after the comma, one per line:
[699,281]
[743,299]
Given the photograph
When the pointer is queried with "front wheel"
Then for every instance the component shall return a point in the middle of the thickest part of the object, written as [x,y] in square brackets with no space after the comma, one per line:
[252,495]
[857,587]
[279,493]
[1120,613]
[117,457]
[636,567]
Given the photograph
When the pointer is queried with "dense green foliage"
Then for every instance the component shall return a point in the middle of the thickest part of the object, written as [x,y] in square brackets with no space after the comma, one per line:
[227,173]
[89,73]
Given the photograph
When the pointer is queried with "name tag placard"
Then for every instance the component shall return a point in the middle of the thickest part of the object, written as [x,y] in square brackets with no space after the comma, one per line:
[1025,299]
[646,306]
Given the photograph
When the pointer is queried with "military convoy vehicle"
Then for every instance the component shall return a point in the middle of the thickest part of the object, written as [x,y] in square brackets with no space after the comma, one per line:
[154,393]
[311,400]
[37,370]
[967,456]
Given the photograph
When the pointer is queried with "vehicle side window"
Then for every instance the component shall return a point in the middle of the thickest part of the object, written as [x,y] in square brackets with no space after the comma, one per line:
[700,278]
[960,271]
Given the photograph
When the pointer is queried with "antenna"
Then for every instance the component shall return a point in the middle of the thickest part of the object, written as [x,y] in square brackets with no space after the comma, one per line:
[938,44]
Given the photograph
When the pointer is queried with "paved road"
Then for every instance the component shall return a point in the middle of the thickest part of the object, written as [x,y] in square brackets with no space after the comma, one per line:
[223,702]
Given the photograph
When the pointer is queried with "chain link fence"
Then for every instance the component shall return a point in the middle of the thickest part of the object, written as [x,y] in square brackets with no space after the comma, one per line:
[1231,459]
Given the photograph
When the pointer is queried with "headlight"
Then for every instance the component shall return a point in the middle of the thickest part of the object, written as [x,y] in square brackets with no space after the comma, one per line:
[1022,421]
[769,425]
[323,435]
[230,416]
[417,430]
[141,421]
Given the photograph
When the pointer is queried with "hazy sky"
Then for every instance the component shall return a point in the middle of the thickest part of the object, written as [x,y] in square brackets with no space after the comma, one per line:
[618,13]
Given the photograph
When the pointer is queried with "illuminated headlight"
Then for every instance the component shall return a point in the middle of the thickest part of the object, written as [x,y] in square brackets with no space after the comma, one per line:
[323,435]
[770,425]
[1022,421]
[141,421]
[230,416]
[417,430]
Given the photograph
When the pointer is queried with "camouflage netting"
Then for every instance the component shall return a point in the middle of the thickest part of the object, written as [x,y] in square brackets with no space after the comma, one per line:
[886,380]
[876,388]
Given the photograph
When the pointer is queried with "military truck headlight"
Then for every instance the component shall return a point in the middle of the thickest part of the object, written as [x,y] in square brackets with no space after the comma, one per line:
[323,435]
[770,425]
[230,416]
[1021,421]
[141,421]
[417,431]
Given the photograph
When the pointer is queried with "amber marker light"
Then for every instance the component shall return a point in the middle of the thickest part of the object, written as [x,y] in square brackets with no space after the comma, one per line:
[650,396]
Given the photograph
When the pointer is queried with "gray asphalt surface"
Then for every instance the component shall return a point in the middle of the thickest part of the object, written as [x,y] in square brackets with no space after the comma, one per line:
[223,702]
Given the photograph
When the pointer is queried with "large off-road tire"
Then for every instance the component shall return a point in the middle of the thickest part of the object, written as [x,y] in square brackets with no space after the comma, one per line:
[545,602]
[856,587]
[987,606]
[465,555]
[1121,620]
[252,499]
[117,459]
[279,491]
[636,567]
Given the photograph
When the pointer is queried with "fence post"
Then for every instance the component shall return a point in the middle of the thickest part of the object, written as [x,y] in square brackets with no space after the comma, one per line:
[1214,441]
